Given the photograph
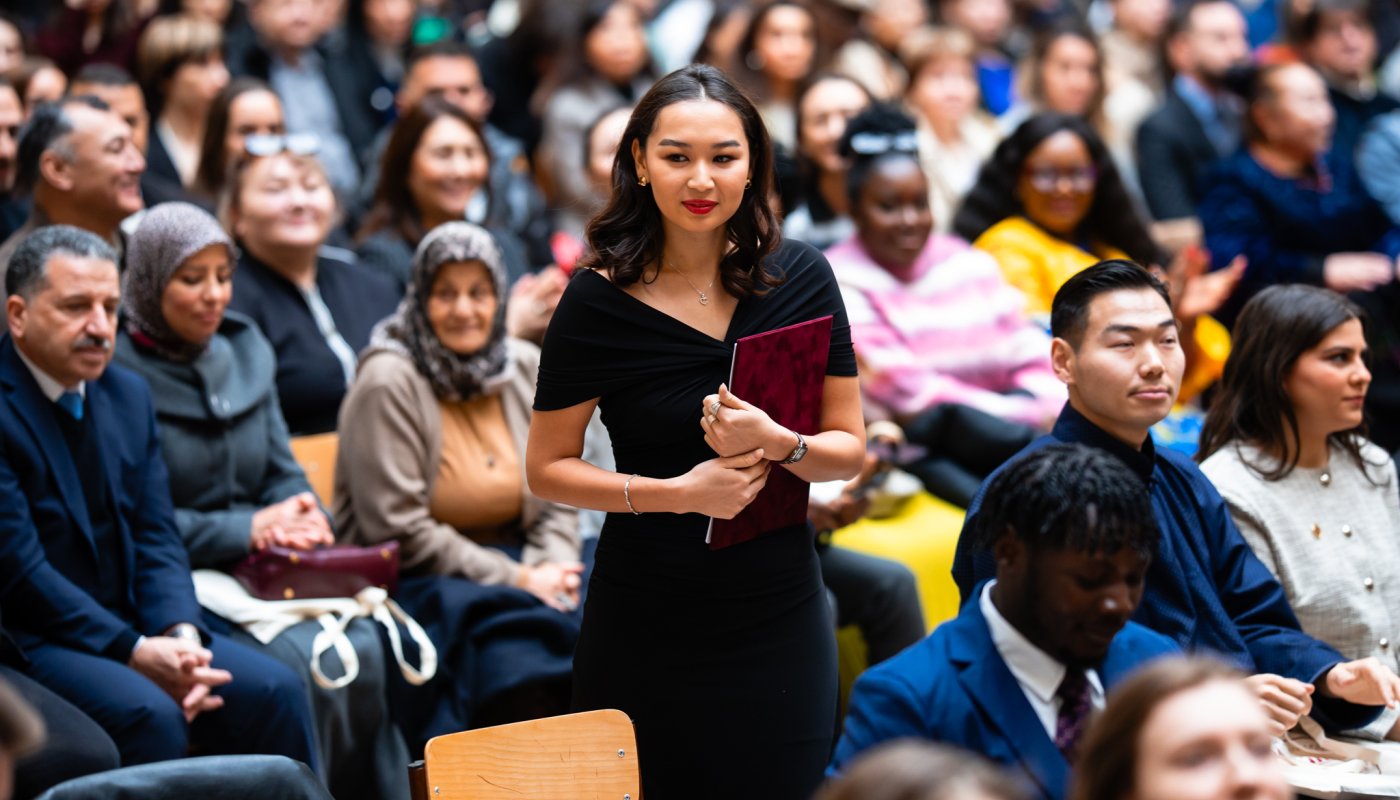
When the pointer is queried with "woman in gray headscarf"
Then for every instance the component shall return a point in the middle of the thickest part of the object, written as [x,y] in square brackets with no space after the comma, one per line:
[234,483]
[432,454]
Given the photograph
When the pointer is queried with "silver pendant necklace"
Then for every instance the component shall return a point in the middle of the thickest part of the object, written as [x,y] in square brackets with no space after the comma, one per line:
[704,298]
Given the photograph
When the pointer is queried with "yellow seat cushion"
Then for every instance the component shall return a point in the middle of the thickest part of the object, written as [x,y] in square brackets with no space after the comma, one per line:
[922,536]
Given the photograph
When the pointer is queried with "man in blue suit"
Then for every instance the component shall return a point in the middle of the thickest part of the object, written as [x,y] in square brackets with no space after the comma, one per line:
[1017,674]
[94,581]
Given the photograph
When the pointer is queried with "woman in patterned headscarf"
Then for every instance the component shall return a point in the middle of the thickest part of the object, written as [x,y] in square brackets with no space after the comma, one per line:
[432,454]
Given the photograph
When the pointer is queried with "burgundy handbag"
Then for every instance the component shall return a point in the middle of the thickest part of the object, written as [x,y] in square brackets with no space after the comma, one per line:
[342,570]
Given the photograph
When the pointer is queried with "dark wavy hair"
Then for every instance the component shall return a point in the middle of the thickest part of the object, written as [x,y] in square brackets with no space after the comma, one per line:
[627,236]
[1111,218]
[394,208]
[1250,405]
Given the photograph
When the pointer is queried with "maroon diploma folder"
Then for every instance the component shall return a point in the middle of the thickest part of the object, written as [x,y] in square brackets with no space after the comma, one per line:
[782,372]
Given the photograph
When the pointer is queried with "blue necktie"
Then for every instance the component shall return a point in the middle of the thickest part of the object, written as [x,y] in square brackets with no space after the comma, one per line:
[72,402]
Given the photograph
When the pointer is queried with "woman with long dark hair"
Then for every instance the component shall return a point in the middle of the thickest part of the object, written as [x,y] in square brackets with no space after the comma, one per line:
[610,67]
[823,108]
[1048,204]
[779,51]
[725,659]
[244,107]
[435,169]
[1285,443]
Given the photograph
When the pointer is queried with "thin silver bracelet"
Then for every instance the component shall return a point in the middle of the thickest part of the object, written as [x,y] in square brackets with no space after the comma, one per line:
[627,494]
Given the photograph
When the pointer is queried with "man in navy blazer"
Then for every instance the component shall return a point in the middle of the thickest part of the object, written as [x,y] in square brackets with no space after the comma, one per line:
[95,584]
[1021,669]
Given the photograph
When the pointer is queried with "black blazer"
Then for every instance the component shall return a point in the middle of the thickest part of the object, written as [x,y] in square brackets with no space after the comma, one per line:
[1173,151]
[245,55]
[160,183]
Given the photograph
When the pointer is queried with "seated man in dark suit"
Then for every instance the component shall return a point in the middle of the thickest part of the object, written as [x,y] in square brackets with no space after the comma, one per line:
[1016,675]
[96,586]
[1200,120]
[1118,349]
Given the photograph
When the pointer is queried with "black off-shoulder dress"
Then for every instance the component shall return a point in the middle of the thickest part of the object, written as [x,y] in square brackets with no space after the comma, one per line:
[725,660]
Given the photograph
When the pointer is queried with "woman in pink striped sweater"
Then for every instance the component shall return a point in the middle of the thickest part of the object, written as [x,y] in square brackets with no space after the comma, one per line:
[944,346]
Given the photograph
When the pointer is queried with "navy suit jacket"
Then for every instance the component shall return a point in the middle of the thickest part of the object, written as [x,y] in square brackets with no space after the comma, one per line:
[49,565]
[953,687]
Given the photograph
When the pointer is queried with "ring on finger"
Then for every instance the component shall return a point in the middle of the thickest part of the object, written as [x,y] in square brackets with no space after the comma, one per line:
[714,409]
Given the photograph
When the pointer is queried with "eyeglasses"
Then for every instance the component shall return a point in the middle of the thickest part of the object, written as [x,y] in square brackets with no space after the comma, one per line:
[874,144]
[1047,179]
[263,145]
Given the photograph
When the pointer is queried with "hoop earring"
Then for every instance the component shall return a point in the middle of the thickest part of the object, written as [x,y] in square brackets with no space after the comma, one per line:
[642,181]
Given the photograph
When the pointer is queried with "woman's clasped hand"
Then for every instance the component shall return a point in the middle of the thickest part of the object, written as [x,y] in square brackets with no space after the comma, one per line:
[296,522]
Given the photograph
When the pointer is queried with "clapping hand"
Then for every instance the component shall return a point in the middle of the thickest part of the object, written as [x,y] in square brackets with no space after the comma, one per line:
[1194,289]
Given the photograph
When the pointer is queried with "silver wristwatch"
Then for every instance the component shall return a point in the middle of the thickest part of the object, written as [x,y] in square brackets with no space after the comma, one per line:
[798,452]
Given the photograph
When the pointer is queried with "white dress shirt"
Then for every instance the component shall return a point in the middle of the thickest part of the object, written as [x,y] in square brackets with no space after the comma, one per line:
[50,386]
[1038,673]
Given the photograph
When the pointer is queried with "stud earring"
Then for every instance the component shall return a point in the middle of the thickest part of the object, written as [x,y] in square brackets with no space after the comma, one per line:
[748,182]
[642,181]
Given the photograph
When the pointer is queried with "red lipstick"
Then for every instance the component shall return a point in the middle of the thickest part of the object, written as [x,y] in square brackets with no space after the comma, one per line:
[701,207]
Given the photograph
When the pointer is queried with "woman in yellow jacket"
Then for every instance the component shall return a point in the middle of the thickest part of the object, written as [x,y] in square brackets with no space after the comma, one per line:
[1050,203]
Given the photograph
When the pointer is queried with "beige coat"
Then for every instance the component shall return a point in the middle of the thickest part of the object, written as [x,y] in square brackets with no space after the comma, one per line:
[390,446]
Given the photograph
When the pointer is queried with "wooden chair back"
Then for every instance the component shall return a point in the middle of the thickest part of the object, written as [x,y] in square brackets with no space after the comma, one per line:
[316,455]
[572,757]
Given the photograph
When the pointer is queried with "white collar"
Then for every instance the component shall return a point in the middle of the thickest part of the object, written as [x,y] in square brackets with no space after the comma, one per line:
[1037,671]
[50,386]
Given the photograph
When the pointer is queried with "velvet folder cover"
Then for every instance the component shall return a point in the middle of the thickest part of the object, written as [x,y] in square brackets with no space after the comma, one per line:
[781,371]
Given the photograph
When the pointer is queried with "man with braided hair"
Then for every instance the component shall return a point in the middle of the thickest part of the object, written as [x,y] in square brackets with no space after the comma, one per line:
[1017,674]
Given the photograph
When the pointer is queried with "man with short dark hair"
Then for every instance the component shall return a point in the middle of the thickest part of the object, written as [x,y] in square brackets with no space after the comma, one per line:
[1201,120]
[1116,347]
[79,163]
[1017,674]
[98,592]
[118,89]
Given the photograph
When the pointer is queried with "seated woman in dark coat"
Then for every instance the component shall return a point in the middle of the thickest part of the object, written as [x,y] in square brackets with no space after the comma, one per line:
[312,302]
[234,483]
